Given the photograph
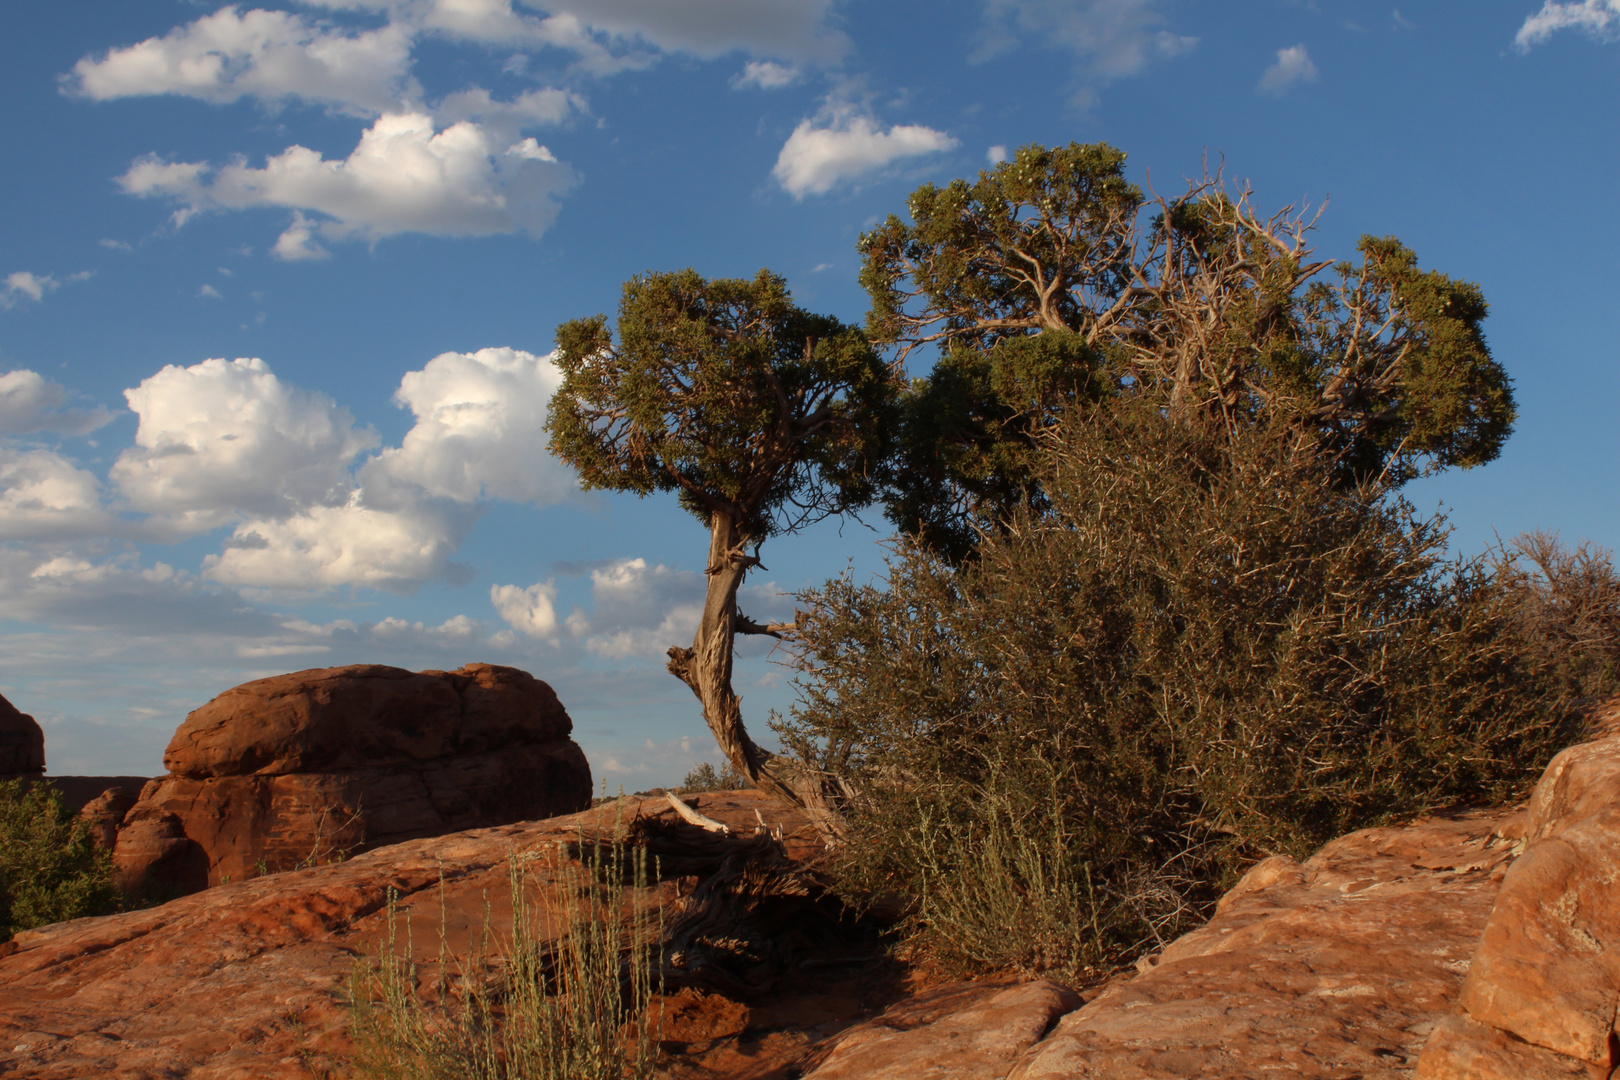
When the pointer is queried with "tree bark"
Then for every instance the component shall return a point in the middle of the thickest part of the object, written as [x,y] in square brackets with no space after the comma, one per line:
[706,668]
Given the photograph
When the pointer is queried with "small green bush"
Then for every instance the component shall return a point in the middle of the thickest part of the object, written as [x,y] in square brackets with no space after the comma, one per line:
[572,1007]
[704,778]
[1205,651]
[50,871]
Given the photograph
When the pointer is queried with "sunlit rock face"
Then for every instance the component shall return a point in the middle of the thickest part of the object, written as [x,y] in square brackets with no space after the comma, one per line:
[302,769]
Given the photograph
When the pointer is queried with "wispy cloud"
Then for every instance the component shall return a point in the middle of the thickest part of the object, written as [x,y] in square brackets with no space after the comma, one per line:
[766,75]
[1110,39]
[25,285]
[1293,65]
[1597,19]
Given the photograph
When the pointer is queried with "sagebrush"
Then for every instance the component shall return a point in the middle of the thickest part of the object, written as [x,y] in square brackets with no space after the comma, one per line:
[1207,650]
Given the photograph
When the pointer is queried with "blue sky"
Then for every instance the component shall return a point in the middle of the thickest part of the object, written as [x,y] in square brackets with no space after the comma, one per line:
[277,285]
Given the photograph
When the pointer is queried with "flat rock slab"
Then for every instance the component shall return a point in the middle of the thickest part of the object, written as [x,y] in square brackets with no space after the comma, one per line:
[1340,967]
[245,981]
[962,1032]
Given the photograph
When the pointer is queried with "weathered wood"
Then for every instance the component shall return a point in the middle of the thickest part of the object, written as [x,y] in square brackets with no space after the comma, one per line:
[692,816]
[706,669]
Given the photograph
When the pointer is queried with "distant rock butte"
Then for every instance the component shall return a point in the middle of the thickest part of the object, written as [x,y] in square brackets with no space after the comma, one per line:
[22,743]
[301,769]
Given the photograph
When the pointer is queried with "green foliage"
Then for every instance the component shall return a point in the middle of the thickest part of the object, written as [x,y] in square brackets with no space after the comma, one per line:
[726,393]
[966,451]
[1199,301]
[50,871]
[1206,650]
[563,1008]
[704,778]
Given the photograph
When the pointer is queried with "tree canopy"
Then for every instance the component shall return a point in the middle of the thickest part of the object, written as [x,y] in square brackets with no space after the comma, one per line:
[763,417]
[1053,280]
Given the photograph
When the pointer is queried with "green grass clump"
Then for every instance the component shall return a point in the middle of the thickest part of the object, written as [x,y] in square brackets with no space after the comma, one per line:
[50,871]
[568,1007]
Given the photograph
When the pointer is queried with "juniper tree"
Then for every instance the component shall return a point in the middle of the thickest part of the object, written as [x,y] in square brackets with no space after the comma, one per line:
[1053,280]
[761,417]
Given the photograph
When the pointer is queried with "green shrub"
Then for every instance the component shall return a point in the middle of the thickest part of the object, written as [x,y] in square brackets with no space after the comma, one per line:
[704,778]
[50,871]
[572,1007]
[1204,652]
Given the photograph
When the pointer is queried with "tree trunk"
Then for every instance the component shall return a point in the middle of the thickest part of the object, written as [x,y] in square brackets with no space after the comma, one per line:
[706,669]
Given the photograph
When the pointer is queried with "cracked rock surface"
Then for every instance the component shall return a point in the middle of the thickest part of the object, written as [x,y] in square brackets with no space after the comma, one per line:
[1337,967]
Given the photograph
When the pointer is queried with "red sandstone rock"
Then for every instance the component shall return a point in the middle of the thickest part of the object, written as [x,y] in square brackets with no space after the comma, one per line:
[964,1032]
[1337,967]
[153,855]
[1463,1049]
[246,981]
[361,716]
[22,743]
[105,813]
[306,768]
[1547,971]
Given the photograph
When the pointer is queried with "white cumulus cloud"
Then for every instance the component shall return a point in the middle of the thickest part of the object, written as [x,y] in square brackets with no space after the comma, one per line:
[480,429]
[297,241]
[639,610]
[44,496]
[1599,19]
[766,75]
[223,438]
[531,611]
[1293,65]
[310,500]
[404,176]
[31,403]
[270,55]
[845,144]
[354,544]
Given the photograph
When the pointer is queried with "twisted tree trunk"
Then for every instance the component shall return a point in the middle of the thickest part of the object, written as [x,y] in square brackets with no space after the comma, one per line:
[706,668]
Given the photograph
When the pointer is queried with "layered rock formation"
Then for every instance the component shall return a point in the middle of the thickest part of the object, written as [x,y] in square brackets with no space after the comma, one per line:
[22,743]
[302,769]
[1544,986]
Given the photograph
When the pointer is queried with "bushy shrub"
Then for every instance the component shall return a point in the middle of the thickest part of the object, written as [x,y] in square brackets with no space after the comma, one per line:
[704,778]
[1204,652]
[1567,604]
[50,871]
